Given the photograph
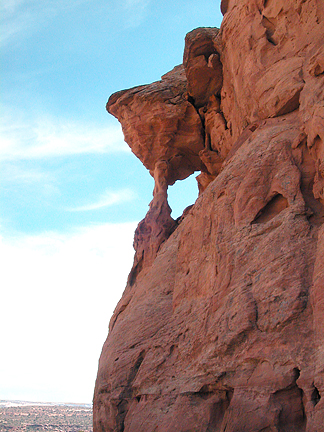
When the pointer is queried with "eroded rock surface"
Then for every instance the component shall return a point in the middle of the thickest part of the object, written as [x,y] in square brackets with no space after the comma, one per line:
[220,327]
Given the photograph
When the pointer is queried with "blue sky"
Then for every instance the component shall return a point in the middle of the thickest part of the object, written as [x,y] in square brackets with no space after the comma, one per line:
[71,192]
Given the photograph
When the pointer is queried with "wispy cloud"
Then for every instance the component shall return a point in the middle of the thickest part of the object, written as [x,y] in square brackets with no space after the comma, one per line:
[21,183]
[29,16]
[135,12]
[107,199]
[136,4]
[13,173]
[45,137]
[13,21]
[26,17]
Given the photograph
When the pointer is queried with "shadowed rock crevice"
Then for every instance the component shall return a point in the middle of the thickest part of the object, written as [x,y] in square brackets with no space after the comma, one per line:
[218,401]
[270,26]
[316,63]
[292,104]
[315,397]
[127,394]
[289,406]
[275,206]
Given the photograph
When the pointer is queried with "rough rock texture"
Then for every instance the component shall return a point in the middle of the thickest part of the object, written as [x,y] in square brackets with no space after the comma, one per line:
[221,325]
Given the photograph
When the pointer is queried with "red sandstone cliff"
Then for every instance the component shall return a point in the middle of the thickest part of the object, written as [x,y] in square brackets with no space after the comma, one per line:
[220,327]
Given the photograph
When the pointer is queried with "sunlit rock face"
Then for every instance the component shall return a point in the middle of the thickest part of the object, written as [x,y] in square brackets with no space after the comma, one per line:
[220,327]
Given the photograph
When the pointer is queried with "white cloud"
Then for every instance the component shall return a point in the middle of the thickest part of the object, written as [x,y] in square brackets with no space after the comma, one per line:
[58,292]
[107,199]
[45,137]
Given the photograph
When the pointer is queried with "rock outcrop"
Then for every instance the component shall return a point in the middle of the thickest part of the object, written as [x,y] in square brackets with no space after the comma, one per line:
[220,327]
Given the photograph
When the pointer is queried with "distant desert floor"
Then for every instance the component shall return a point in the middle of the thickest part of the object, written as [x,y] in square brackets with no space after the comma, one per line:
[41,417]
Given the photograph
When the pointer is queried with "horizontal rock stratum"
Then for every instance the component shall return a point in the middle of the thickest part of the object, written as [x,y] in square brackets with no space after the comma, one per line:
[221,325]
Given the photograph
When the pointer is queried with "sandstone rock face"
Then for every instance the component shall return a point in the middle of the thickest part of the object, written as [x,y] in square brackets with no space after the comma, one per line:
[221,325]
